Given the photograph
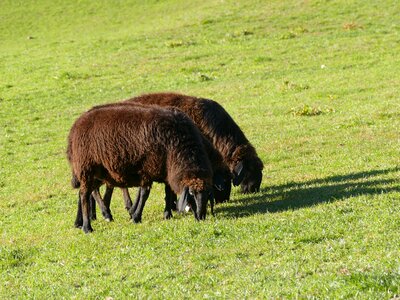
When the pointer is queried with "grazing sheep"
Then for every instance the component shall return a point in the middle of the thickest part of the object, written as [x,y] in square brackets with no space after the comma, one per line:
[221,182]
[134,146]
[218,126]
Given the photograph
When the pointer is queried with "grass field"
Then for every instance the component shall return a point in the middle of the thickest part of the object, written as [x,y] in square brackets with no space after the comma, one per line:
[313,84]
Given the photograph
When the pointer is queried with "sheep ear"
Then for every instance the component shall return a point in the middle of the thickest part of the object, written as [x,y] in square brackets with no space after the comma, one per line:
[183,200]
[238,173]
[218,182]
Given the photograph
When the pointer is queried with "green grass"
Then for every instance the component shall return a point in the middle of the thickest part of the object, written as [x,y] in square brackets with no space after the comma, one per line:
[313,84]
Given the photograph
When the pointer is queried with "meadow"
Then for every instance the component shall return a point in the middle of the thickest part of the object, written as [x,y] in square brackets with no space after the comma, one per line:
[314,85]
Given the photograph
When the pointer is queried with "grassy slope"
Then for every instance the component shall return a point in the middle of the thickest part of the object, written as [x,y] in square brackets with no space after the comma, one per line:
[326,222]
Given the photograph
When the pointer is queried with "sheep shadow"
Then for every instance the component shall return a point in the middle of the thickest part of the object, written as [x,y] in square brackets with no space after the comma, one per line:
[297,195]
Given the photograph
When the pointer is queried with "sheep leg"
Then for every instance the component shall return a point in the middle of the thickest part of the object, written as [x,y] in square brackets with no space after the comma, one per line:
[127,199]
[79,219]
[135,205]
[92,204]
[84,197]
[107,196]
[92,214]
[169,202]
[136,214]
[105,210]
[173,200]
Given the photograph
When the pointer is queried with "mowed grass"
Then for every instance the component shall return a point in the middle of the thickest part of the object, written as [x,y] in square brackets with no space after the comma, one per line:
[313,84]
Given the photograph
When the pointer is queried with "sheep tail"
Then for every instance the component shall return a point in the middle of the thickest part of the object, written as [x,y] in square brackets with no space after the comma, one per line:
[75,182]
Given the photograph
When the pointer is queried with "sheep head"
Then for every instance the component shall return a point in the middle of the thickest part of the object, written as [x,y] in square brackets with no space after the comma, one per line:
[251,181]
[196,195]
[246,168]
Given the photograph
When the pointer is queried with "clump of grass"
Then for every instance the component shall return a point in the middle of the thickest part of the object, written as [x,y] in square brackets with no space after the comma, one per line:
[288,35]
[310,111]
[260,59]
[332,97]
[300,29]
[293,33]
[204,77]
[12,258]
[247,32]
[207,21]
[351,26]
[240,33]
[199,77]
[66,75]
[179,43]
[290,86]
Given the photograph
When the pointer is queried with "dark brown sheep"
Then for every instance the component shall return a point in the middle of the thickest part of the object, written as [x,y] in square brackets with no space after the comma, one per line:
[134,146]
[218,126]
[221,181]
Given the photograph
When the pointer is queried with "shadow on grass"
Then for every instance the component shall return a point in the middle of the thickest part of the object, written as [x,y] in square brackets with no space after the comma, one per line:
[296,195]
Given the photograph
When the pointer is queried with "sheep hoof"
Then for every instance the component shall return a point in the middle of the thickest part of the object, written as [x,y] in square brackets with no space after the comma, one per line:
[78,224]
[87,229]
[167,215]
[108,217]
[136,219]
